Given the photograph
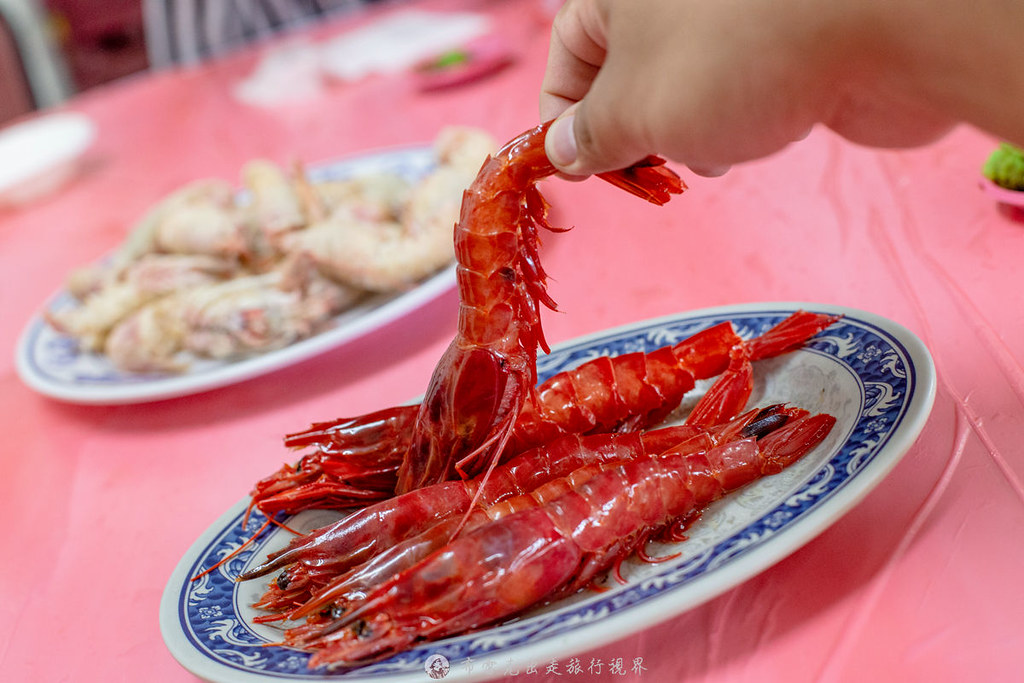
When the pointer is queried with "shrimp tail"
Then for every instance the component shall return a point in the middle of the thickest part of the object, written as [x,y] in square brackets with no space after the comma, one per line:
[731,391]
[648,179]
[789,334]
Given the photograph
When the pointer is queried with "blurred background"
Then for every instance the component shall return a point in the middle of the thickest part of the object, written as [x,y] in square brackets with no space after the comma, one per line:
[99,40]
[50,49]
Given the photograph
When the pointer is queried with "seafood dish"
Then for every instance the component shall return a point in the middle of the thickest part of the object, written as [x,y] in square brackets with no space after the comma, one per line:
[495,495]
[213,273]
[467,535]
[872,375]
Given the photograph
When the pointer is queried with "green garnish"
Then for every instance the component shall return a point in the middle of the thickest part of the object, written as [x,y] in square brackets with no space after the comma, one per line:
[1005,167]
[450,58]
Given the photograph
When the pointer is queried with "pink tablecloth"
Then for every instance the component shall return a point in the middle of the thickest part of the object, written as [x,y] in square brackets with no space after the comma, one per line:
[921,581]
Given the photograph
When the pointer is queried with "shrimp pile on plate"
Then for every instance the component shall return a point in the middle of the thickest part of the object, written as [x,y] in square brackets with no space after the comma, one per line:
[210,272]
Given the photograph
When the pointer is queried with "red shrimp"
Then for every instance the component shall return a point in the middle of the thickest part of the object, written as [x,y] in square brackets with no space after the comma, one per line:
[478,387]
[432,513]
[356,458]
[596,452]
[499,569]
[367,531]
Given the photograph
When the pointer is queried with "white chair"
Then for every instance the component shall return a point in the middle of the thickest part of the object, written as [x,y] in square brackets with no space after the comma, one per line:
[41,62]
[189,31]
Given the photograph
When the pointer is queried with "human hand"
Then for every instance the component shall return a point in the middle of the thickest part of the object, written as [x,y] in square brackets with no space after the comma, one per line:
[711,84]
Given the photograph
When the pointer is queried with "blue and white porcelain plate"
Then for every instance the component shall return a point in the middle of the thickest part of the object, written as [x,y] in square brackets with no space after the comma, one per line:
[873,375]
[52,364]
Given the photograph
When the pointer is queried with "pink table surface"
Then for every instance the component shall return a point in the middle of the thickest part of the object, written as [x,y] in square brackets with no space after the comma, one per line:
[921,581]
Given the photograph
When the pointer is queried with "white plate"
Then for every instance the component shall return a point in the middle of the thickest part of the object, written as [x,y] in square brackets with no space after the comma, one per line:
[873,375]
[40,154]
[52,364]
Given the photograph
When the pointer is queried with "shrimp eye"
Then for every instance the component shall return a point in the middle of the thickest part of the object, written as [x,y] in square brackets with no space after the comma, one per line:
[765,425]
[283,580]
[362,629]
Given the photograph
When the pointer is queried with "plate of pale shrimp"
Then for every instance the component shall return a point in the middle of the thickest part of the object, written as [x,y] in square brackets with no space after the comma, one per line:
[216,284]
[830,399]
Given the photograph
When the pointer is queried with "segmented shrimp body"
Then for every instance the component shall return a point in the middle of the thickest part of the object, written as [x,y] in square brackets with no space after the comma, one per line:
[481,382]
[538,554]
[354,552]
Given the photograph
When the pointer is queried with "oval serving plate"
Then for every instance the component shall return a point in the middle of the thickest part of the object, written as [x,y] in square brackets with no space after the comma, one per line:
[874,376]
[52,364]
[41,154]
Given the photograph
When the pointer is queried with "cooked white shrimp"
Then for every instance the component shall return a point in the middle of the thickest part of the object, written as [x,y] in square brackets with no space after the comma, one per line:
[360,248]
[205,226]
[245,315]
[372,255]
[151,338]
[91,321]
[146,235]
[373,196]
[141,282]
[464,147]
[274,205]
[261,312]
[205,273]
[164,273]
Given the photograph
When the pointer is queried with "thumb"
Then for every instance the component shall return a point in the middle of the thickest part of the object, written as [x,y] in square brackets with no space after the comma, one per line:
[579,144]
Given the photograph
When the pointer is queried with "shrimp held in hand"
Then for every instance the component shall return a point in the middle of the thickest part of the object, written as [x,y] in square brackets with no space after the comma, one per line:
[481,382]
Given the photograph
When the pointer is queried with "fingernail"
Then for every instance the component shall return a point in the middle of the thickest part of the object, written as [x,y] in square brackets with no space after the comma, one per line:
[710,171]
[560,142]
